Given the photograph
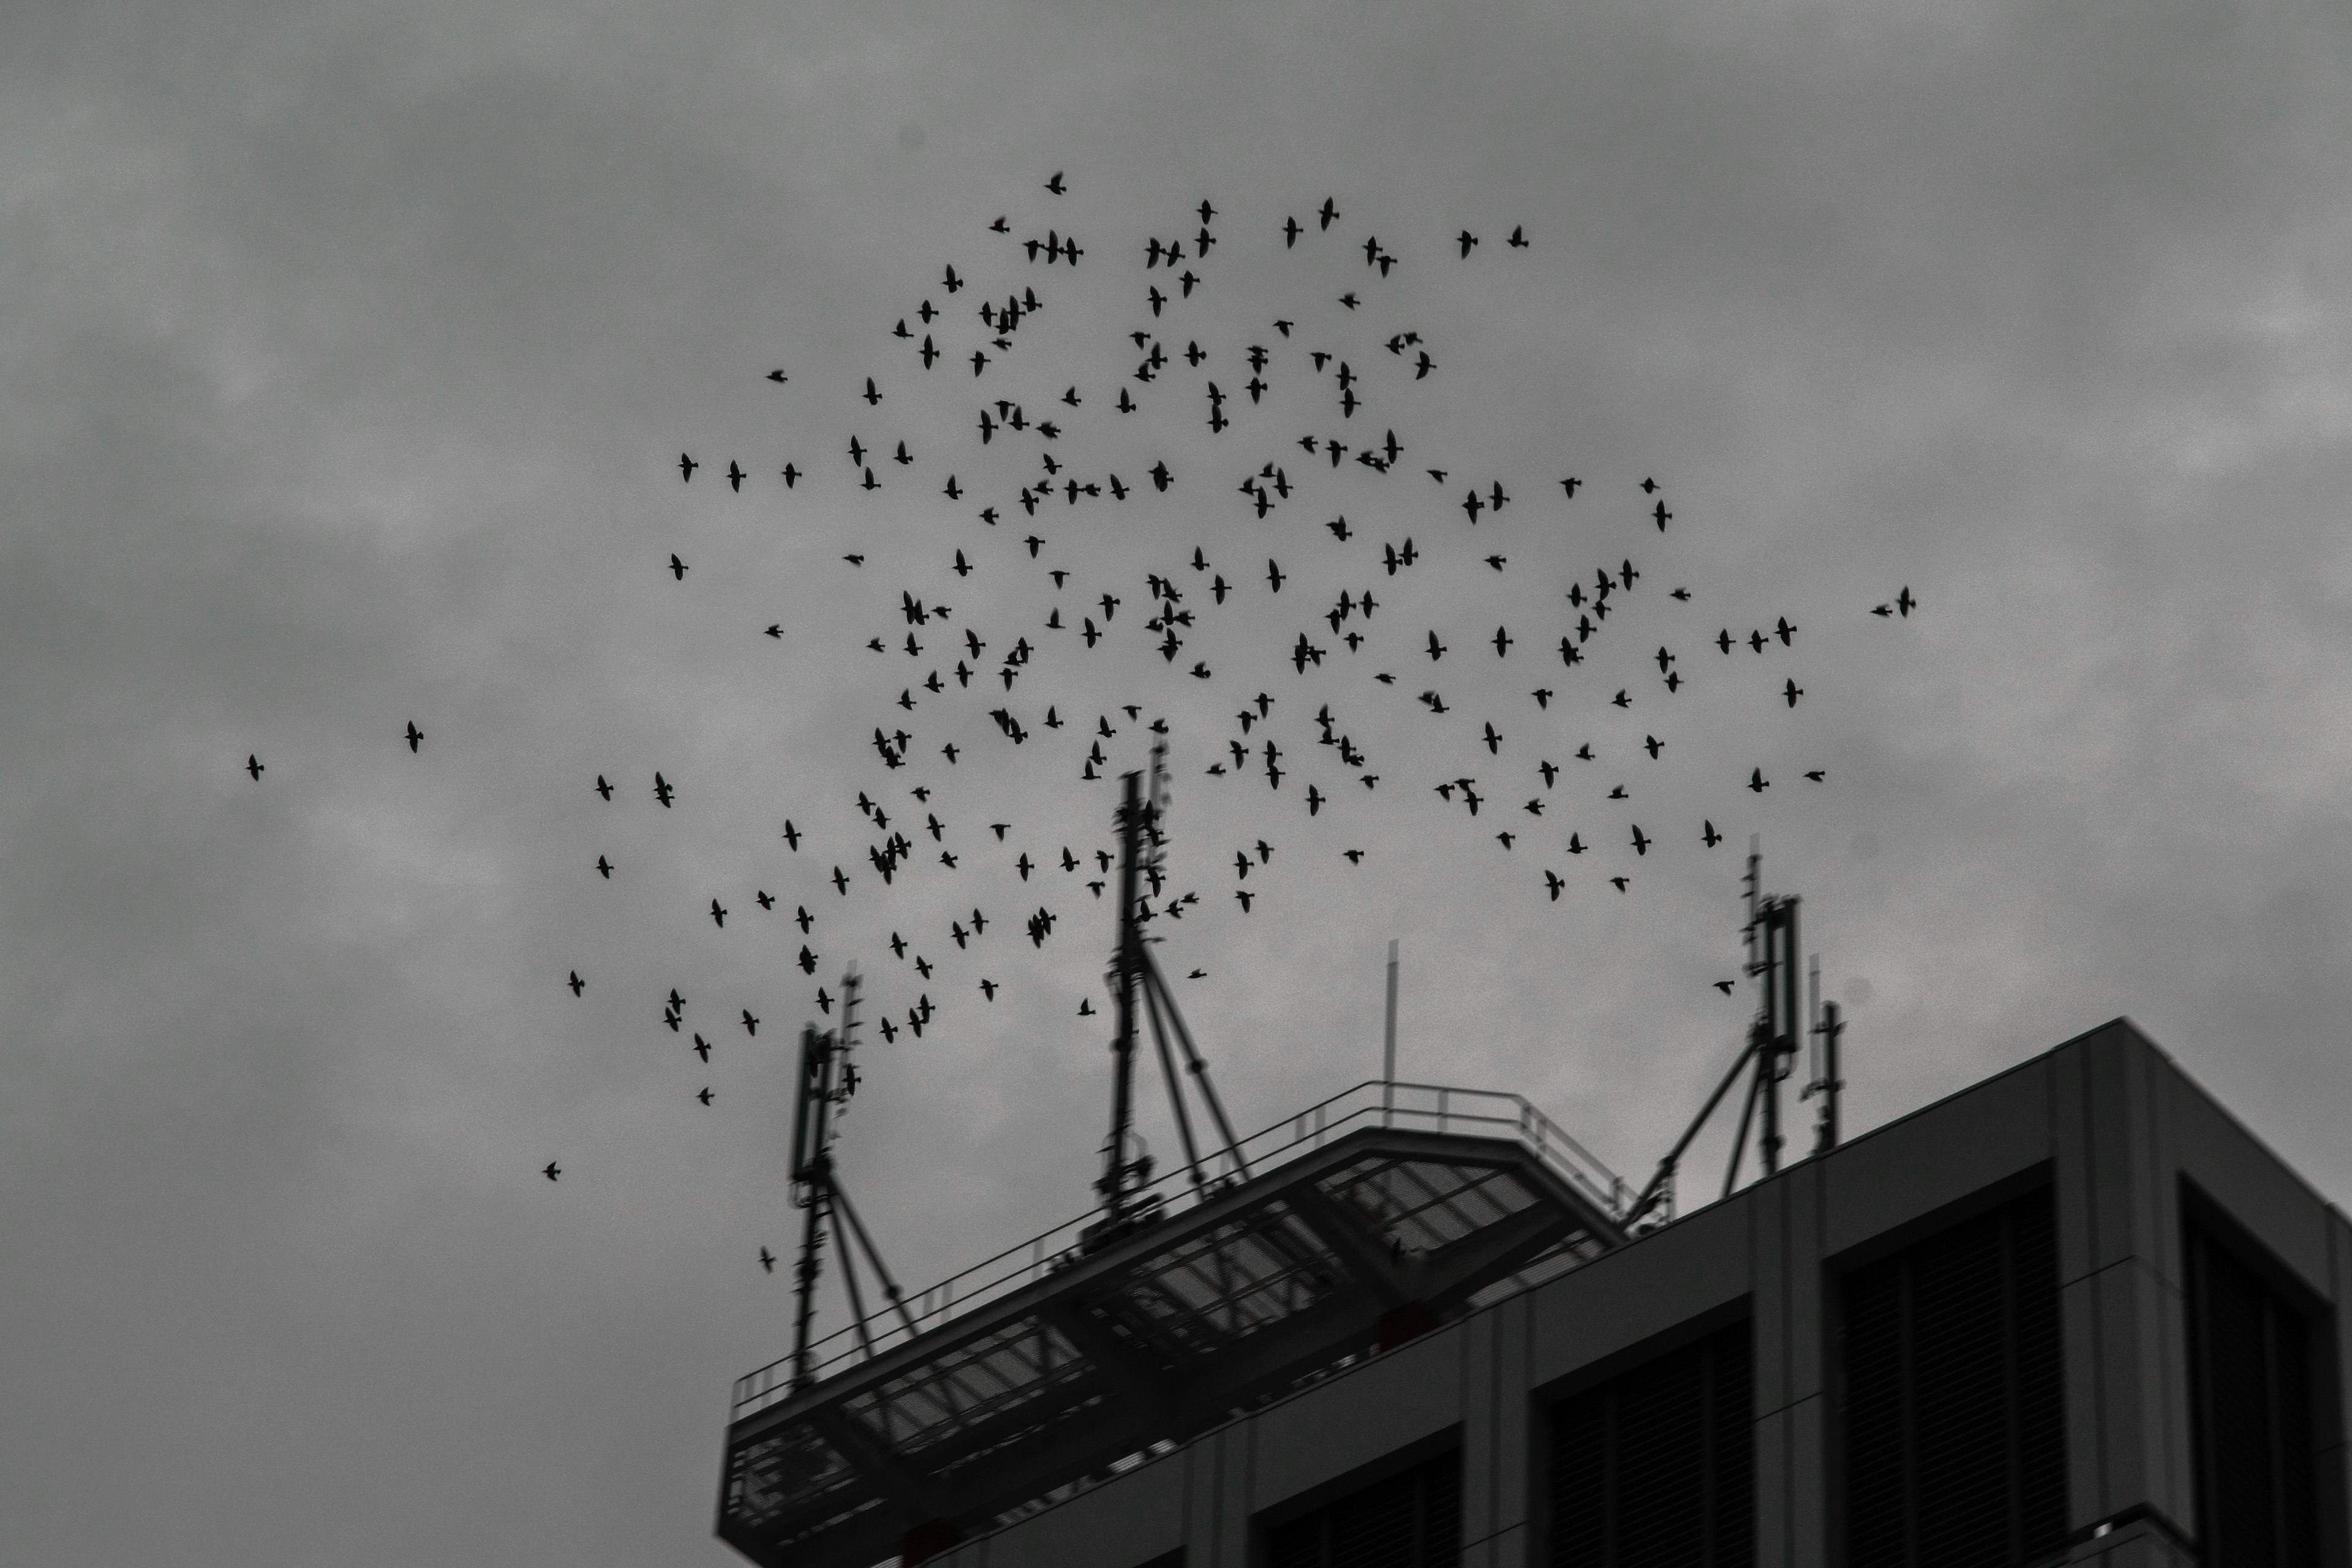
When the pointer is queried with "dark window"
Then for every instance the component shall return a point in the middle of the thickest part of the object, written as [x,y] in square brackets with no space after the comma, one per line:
[1409,1520]
[1954,1429]
[1655,1469]
[2250,1386]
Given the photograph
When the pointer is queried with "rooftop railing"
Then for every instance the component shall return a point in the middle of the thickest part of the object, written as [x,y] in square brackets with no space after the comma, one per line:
[1375,1103]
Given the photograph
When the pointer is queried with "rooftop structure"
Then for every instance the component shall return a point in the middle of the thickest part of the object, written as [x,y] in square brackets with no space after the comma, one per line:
[1368,1220]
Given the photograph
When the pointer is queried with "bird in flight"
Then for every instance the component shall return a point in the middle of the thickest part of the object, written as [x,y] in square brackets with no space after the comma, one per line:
[1056,185]
[253,765]
[767,1258]
[663,791]
[1330,211]
[604,868]
[603,788]
[1708,835]
[577,985]
[686,466]
[678,567]
[415,734]
[552,1171]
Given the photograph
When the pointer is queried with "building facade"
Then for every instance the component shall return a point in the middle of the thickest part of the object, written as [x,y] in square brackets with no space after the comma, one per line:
[2074,1313]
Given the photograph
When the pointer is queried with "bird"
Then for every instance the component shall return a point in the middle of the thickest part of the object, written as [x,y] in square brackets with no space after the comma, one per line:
[577,985]
[604,868]
[1552,881]
[603,788]
[686,466]
[677,567]
[1055,186]
[663,792]
[1709,837]
[1619,882]
[552,1171]
[253,765]
[415,734]
[1466,239]
[1817,775]
[1792,691]
[702,1048]
[767,1258]
[1904,601]
[1757,782]
[792,835]
[1723,986]
[718,914]
[750,1025]
[735,475]
[1330,211]
[1519,240]
[705,1095]
[1640,840]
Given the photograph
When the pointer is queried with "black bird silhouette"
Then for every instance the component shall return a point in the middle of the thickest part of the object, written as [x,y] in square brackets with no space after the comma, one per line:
[686,466]
[662,790]
[552,1171]
[705,1095]
[735,476]
[750,1025]
[1055,186]
[603,788]
[415,734]
[718,914]
[1792,691]
[1757,782]
[1708,835]
[1467,239]
[253,765]
[604,868]
[678,568]
[1519,240]
[577,985]
[1330,211]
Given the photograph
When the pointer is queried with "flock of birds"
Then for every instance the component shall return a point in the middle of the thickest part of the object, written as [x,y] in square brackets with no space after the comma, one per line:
[1037,469]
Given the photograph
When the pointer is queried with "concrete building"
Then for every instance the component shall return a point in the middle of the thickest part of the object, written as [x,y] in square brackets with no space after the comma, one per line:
[2074,1312]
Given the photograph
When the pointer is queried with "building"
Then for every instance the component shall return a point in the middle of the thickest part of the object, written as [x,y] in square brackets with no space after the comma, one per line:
[2074,1312]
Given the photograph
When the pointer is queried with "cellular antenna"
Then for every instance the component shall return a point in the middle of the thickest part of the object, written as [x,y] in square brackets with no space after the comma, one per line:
[828,1080]
[1827,1029]
[1134,979]
[1771,934]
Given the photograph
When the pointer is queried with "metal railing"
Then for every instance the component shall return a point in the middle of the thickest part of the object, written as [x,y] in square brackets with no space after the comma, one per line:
[1426,1106]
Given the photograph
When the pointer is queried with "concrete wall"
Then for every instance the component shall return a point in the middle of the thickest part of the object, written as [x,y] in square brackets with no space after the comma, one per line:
[2106,1118]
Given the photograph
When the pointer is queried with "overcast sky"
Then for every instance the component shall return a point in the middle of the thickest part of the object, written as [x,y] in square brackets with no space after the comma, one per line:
[346,356]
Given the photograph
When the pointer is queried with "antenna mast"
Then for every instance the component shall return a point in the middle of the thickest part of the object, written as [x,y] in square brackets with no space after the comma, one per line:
[828,1078]
[1135,976]
[1772,1044]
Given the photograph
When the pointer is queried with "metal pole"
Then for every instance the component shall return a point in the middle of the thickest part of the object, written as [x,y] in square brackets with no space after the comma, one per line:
[1831,1026]
[1388,1046]
[1113,1186]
